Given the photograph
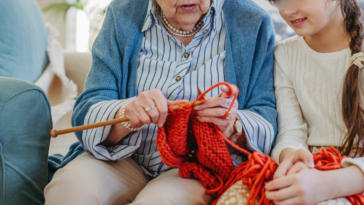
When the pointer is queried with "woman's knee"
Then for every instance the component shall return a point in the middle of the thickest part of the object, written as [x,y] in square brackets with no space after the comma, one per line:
[87,180]
[170,189]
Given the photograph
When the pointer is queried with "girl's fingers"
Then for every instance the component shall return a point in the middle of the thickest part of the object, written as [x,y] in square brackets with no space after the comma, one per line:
[294,200]
[279,183]
[303,155]
[282,169]
[281,195]
[299,166]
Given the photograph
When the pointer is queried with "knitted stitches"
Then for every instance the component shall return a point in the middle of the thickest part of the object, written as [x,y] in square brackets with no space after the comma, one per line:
[200,151]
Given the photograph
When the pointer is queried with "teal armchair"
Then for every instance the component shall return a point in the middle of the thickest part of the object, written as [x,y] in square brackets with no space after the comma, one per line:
[25,122]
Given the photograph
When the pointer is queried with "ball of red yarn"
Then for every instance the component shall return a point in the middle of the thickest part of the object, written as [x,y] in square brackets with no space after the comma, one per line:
[200,150]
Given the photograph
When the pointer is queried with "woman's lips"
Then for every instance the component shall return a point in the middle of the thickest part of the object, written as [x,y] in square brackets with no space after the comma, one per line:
[188,7]
[298,22]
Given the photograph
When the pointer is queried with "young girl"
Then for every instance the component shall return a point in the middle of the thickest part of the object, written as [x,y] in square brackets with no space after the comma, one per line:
[318,84]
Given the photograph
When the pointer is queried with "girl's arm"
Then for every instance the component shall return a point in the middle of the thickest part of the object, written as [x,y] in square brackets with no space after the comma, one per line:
[344,182]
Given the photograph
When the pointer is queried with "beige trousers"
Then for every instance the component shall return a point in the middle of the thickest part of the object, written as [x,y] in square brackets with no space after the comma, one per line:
[88,181]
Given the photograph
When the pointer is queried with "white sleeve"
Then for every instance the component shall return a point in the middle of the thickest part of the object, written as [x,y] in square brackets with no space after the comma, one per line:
[93,138]
[359,161]
[292,127]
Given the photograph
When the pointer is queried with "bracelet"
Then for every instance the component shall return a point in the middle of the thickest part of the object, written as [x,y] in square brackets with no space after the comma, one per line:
[122,114]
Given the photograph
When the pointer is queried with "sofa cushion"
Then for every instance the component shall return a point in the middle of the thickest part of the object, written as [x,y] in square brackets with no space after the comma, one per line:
[23,40]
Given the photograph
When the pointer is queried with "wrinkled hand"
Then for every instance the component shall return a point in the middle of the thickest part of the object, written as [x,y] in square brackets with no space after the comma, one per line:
[301,186]
[216,107]
[136,113]
[290,158]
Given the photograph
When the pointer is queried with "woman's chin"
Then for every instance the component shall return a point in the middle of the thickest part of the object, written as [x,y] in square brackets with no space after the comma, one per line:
[188,27]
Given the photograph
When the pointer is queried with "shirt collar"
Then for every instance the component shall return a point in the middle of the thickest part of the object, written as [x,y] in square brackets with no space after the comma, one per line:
[216,8]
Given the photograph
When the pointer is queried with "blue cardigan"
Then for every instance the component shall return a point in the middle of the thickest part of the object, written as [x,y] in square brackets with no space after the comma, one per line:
[249,60]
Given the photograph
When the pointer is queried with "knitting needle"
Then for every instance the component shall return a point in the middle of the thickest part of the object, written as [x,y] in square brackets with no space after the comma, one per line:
[55,133]
[199,93]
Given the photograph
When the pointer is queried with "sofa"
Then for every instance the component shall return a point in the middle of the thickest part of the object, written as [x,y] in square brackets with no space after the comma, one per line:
[77,66]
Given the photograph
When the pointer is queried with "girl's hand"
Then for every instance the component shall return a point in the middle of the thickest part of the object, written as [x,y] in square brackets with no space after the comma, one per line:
[158,104]
[301,186]
[289,157]
[216,107]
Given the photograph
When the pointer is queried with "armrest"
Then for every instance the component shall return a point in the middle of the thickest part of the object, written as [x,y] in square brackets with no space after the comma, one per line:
[77,66]
[25,123]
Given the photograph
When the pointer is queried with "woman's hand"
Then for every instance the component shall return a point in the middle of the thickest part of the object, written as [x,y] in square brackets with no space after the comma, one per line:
[301,186]
[216,107]
[289,157]
[154,99]
[137,114]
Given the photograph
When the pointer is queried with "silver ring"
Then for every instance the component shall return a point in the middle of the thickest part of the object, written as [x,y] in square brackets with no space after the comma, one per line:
[147,109]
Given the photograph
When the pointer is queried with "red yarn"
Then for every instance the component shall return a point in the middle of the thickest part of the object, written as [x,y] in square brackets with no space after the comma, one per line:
[199,150]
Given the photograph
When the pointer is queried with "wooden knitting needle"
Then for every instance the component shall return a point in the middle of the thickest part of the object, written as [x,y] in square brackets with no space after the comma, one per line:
[55,133]
[199,93]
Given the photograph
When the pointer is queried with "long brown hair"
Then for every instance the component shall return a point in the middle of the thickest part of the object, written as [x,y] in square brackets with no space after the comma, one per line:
[352,112]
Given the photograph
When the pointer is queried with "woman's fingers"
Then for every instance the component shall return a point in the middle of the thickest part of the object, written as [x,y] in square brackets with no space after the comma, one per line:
[226,91]
[282,169]
[169,102]
[221,123]
[213,112]
[162,108]
[215,102]
[149,107]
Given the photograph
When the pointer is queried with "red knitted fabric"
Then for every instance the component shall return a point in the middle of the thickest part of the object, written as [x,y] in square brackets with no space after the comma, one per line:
[200,151]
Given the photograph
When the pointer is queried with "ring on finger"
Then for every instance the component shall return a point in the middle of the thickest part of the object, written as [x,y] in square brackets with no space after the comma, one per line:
[147,109]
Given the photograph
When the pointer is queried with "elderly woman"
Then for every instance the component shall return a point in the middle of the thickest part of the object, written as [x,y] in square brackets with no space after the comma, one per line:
[147,56]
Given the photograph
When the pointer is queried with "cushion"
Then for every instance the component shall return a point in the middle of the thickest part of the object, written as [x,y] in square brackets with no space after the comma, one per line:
[23,40]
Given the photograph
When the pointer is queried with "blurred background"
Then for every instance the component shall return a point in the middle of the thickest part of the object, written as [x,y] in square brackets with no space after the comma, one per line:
[79,21]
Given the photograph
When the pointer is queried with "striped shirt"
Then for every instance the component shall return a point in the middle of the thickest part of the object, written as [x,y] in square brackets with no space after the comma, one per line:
[166,64]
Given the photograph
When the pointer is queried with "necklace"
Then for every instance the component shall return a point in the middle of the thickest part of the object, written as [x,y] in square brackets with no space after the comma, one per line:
[182,33]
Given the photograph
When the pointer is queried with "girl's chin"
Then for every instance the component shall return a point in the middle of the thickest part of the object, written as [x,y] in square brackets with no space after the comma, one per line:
[303,32]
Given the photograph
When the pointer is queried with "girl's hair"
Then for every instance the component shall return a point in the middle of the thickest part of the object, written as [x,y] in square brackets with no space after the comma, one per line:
[352,112]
